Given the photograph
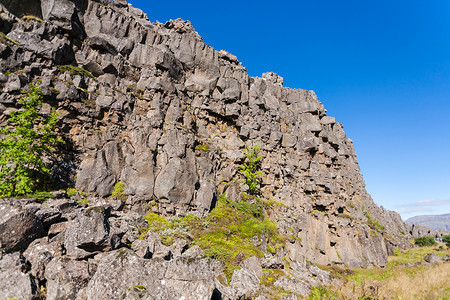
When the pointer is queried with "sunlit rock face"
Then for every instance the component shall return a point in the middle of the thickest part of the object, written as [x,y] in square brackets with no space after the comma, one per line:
[152,106]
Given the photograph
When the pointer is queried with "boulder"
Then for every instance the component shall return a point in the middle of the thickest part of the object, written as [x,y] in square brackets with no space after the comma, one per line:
[62,13]
[194,252]
[245,284]
[88,233]
[39,253]
[18,228]
[432,258]
[66,277]
[13,261]
[176,279]
[16,285]
[253,264]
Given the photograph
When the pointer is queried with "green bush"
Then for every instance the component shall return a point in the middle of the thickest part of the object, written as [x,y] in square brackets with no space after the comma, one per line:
[28,137]
[446,240]
[119,192]
[251,169]
[425,241]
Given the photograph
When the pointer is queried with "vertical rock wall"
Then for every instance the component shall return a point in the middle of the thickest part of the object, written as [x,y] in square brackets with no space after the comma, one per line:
[170,117]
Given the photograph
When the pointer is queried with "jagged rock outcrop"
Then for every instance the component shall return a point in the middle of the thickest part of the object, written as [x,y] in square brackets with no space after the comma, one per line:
[152,106]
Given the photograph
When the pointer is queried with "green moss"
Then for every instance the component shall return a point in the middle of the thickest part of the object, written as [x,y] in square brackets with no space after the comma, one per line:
[347,216]
[140,288]
[372,224]
[270,276]
[83,201]
[73,70]
[71,192]
[202,147]
[321,292]
[226,234]
[268,203]
[40,196]
[119,192]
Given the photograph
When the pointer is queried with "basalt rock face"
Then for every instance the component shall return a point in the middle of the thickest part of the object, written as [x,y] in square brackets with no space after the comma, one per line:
[170,117]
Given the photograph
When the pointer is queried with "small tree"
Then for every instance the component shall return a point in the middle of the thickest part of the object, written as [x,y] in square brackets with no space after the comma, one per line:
[251,169]
[28,137]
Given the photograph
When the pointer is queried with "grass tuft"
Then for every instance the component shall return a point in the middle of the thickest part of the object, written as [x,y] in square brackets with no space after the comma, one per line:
[4,39]
[73,70]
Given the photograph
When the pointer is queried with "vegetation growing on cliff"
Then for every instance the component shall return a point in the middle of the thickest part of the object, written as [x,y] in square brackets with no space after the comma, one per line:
[228,233]
[251,169]
[75,71]
[28,137]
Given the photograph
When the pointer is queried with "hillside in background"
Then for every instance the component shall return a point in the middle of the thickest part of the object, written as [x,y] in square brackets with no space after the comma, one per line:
[436,222]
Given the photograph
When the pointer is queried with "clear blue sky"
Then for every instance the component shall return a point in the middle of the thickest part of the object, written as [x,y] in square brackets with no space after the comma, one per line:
[382,68]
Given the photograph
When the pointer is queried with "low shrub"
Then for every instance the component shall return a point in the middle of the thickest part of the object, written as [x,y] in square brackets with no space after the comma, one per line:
[228,233]
[425,241]
[119,192]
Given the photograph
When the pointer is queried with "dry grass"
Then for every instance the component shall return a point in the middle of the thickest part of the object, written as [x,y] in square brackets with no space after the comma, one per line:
[396,281]
[432,282]
[429,282]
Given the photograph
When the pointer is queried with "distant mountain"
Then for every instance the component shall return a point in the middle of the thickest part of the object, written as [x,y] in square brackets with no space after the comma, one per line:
[436,222]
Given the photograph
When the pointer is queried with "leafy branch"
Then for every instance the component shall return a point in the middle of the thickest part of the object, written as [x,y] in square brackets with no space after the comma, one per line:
[252,169]
[28,137]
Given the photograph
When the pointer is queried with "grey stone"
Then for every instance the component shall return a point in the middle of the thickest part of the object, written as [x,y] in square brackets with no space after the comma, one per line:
[87,234]
[157,248]
[194,252]
[186,279]
[66,277]
[18,228]
[253,264]
[432,258]
[141,248]
[17,285]
[40,253]
[57,229]
[48,216]
[245,284]
[13,261]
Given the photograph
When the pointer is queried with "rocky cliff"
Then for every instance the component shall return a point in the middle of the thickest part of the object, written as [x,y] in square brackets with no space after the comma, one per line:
[152,106]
